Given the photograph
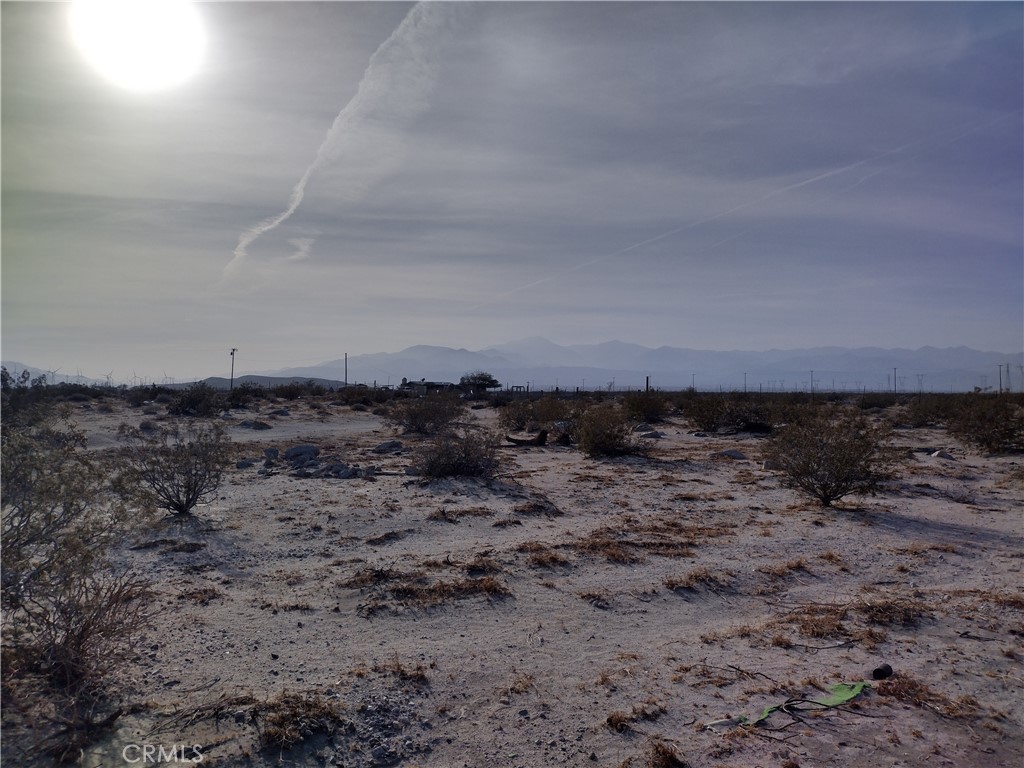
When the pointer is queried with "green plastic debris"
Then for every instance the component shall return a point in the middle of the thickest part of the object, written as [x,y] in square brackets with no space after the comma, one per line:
[840,693]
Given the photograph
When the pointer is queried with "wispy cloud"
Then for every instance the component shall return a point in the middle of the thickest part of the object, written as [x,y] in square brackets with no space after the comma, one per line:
[395,88]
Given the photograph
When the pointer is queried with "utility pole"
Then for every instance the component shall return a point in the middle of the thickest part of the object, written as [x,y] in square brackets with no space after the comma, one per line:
[895,391]
[744,382]
[693,381]
[1000,378]
[231,385]
[812,386]
[346,369]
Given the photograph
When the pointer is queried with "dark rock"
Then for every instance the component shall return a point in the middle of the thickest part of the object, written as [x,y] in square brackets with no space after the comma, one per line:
[280,412]
[391,446]
[882,672]
[272,453]
[251,424]
[300,454]
[245,464]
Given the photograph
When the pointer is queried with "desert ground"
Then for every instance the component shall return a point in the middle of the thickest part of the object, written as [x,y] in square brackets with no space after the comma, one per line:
[575,611]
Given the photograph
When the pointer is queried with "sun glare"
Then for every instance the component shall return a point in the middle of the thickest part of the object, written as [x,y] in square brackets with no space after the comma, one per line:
[141,45]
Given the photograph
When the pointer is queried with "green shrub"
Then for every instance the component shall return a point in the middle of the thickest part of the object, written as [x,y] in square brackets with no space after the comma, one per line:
[989,422]
[173,469]
[428,415]
[829,454]
[604,431]
[474,455]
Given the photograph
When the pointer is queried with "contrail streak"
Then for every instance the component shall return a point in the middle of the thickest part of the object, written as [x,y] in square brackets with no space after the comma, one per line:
[393,90]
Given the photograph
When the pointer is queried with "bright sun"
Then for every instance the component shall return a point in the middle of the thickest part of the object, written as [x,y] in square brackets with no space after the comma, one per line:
[142,45]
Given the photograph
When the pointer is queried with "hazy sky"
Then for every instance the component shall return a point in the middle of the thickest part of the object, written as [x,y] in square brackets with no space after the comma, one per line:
[362,177]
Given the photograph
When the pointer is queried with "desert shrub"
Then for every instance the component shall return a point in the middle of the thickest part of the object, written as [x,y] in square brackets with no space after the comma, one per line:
[649,406]
[872,400]
[474,455]
[518,414]
[706,412]
[515,415]
[988,422]
[428,415]
[604,431]
[243,395]
[199,400]
[829,454]
[173,469]
[69,618]
[550,409]
[293,390]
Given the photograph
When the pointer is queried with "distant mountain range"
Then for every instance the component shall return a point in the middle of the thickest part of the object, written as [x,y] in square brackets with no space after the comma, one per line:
[542,364]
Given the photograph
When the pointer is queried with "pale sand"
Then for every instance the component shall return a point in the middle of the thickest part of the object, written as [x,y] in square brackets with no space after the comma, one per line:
[530,679]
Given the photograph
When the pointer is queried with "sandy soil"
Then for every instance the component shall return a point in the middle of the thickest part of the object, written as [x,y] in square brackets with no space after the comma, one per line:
[580,612]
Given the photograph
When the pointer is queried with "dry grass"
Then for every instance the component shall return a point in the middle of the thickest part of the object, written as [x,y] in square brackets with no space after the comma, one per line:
[395,668]
[701,577]
[906,688]
[620,722]
[542,556]
[520,684]
[782,570]
[415,590]
[445,515]
[919,548]
[662,755]
[630,539]
[201,595]
[290,719]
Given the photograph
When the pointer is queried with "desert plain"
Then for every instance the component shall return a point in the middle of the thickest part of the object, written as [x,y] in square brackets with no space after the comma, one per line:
[570,610]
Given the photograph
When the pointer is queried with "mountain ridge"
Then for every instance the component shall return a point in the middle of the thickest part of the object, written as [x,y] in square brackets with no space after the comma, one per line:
[543,364]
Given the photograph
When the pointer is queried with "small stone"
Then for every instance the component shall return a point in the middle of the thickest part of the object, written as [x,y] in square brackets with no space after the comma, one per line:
[882,672]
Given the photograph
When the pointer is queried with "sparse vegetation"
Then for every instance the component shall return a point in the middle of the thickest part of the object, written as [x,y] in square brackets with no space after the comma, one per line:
[474,455]
[70,618]
[173,469]
[604,431]
[291,718]
[649,406]
[831,454]
[990,423]
[428,415]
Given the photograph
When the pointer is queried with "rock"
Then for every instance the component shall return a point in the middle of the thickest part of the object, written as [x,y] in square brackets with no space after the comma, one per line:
[882,672]
[940,454]
[391,446]
[280,412]
[643,428]
[251,424]
[245,464]
[771,466]
[730,453]
[301,454]
[338,470]
[653,435]
[271,453]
